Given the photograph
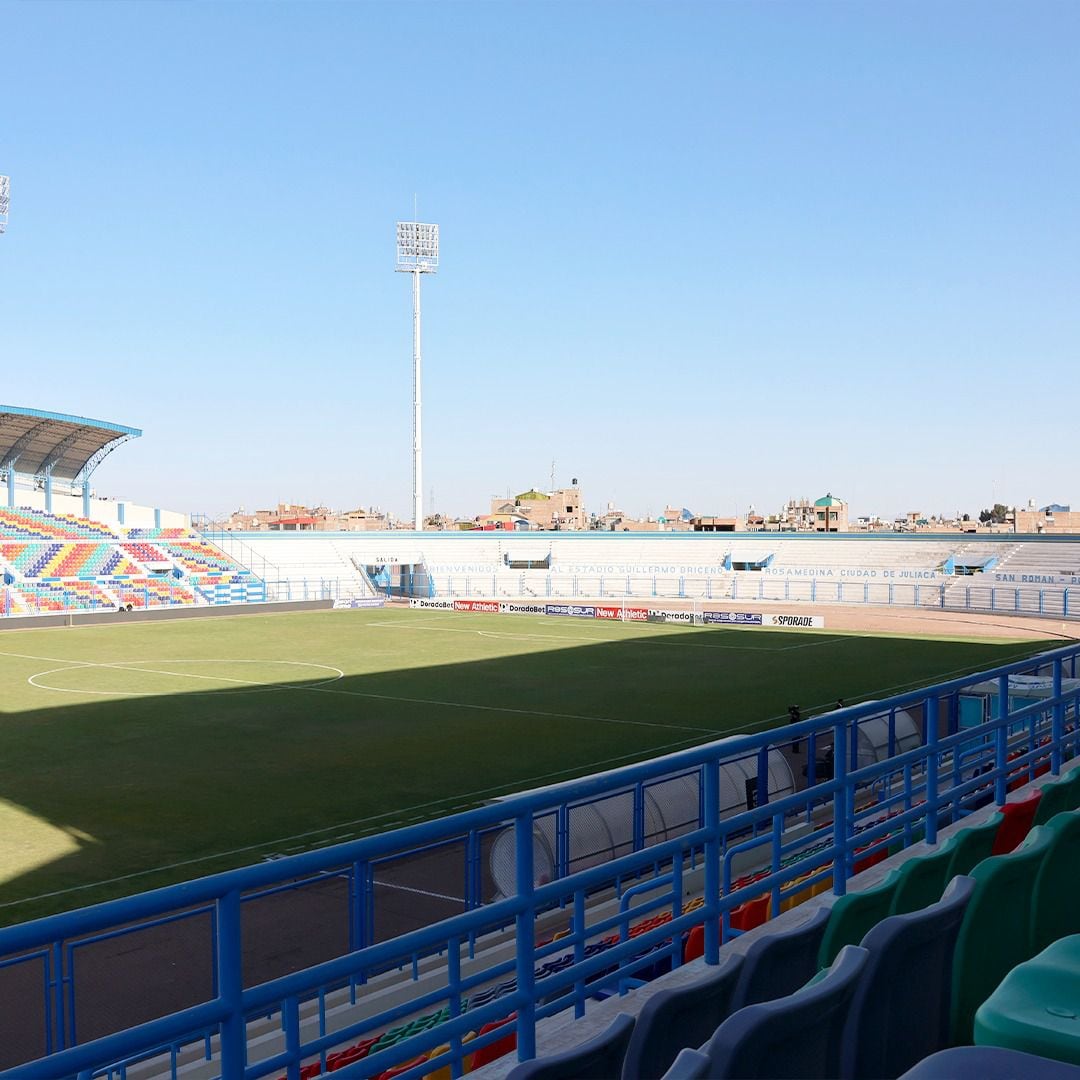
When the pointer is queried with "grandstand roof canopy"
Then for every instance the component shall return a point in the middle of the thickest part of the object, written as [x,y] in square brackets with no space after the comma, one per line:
[34,443]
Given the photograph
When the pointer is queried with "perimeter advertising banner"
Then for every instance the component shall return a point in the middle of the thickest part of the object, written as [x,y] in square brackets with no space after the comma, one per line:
[359,602]
[732,618]
[614,612]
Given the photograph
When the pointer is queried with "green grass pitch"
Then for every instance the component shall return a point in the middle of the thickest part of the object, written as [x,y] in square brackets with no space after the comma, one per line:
[134,755]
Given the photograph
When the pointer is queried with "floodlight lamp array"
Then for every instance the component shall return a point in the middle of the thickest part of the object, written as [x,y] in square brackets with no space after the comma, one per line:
[417,246]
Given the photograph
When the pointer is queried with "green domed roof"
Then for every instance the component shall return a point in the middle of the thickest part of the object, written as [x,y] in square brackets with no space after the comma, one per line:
[532,495]
[829,500]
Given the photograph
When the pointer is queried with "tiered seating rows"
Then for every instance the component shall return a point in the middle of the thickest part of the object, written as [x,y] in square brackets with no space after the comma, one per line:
[153,592]
[781,963]
[68,560]
[25,523]
[162,534]
[144,552]
[199,557]
[49,597]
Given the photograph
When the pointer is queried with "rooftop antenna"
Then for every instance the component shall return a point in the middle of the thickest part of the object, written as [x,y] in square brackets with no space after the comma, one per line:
[552,474]
[417,253]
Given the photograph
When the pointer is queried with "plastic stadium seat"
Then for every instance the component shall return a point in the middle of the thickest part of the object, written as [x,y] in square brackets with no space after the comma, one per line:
[1056,797]
[989,1063]
[853,915]
[996,933]
[779,963]
[1034,1010]
[974,844]
[500,1047]
[900,1012]
[1055,908]
[601,1056]
[1073,782]
[751,914]
[680,1018]
[689,1065]
[798,1035]
[1019,816]
[922,879]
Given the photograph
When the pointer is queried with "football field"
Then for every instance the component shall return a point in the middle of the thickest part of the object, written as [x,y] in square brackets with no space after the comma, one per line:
[133,755]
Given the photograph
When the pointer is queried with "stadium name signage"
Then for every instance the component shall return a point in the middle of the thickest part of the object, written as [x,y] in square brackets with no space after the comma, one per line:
[1039,579]
[848,572]
[637,569]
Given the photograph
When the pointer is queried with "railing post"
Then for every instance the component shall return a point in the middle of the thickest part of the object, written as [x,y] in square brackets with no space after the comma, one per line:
[1058,722]
[290,1007]
[231,984]
[711,782]
[525,930]
[763,776]
[930,723]
[840,811]
[1001,742]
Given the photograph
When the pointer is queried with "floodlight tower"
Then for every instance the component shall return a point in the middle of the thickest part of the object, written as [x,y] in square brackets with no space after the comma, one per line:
[5,200]
[417,253]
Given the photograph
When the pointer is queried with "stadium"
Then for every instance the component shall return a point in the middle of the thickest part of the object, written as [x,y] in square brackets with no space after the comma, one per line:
[420,804]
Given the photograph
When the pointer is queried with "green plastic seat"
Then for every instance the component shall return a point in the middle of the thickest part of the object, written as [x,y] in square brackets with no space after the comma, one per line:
[1055,910]
[1072,781]
[1034,1009]
[973,844]
[996,932]
[854,914]
[923,879]
[1056,797]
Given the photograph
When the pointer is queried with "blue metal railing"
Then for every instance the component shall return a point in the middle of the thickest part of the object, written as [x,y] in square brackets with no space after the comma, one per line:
[870,806]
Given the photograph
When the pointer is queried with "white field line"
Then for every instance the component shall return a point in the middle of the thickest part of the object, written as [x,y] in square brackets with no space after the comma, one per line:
[420,892]
[330,690]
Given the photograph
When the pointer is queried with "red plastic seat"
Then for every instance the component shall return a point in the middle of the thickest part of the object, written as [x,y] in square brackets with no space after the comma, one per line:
[493,1051]
[752,913]
[1018,818]
[695,944]
[405,1066]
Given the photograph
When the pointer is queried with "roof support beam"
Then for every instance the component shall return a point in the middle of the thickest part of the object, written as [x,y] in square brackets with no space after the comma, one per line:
[21,443]
[50,460]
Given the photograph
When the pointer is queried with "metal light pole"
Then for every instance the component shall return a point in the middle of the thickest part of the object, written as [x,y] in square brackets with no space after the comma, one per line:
[417,253]
[5,200]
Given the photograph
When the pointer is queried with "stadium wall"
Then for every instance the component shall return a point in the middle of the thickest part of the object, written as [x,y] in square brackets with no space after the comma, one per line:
[1007,574]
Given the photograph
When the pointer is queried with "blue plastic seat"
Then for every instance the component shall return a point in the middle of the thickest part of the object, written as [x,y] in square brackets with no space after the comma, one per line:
[779,963]
[680,1018]
[901,1009]
[689,1065]
[600,1056]
[989,1063]
[798,1035]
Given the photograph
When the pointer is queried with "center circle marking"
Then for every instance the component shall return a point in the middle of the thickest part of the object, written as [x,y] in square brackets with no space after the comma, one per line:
[135,666]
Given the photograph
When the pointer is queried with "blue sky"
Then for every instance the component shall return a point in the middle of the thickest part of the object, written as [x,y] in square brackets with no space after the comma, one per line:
[714,254]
